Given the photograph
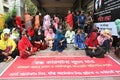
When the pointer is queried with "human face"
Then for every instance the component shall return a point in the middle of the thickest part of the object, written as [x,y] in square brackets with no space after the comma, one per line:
[50,31]
[69,11]
[79,31]
[71,29]
[77,13]
[6,36]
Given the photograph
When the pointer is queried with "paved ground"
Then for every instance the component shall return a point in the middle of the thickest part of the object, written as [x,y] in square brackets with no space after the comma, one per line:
[68,52]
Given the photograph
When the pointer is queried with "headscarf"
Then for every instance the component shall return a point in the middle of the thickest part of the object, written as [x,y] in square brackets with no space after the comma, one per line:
[101,38]
[106,31]
[24,43]
[5,31]
[18,21]
[30,31]
[52,35]
[57,20]
[15,32]
[93,35]
[92,40]
[59,36]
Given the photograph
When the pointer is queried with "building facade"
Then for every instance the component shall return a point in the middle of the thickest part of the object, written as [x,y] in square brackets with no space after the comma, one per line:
[7,5]
[4,6]
[19,6]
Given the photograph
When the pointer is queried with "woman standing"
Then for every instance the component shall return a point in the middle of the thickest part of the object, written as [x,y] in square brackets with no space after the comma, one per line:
[37,21]
[69,19]
[19,23]
[27,19]
[46,22]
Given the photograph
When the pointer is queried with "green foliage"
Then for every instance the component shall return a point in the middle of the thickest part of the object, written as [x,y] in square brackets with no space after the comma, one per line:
[11,13]
[31,8]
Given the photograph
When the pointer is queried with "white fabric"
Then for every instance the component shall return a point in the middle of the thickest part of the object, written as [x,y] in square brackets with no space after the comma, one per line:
[46,21]
[70,36]
[6,31]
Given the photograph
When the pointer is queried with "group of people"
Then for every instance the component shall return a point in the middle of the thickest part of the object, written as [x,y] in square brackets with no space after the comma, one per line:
[24,38]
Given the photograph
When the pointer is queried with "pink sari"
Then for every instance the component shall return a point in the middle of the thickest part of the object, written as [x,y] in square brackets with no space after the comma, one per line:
[50,39]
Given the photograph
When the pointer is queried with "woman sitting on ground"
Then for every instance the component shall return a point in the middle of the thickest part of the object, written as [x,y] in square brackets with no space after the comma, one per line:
[70,35]
[38,39]
[15,35]
[8,49]
[92,47]
[105,40]
[50,37]
[79,41]
[26,49]
[60,42]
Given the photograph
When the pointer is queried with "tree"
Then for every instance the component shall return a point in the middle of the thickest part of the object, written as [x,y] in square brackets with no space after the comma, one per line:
[31,8]
[11,13]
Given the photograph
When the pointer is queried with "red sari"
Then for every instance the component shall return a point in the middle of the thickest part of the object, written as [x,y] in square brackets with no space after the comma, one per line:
[19,23]
[90,42]
[69,20]
[23,45]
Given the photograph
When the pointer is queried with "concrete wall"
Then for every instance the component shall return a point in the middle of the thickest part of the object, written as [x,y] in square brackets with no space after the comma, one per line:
[1,7]
[19,7]
[3,4]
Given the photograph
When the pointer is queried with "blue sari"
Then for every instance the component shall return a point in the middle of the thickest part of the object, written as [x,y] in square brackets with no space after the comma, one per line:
[80,41]
[56,45]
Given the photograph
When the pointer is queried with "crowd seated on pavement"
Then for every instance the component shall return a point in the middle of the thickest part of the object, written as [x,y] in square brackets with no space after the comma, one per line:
[25,38]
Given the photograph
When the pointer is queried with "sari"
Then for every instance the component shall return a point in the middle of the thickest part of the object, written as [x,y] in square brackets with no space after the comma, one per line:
[50,38]
[69,20]
[93,49]
[57,45]
[24,45]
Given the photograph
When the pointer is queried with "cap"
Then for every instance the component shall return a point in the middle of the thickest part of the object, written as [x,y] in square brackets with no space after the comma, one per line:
[6,31]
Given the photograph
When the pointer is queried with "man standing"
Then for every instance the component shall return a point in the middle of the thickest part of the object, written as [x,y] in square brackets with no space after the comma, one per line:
[81,20]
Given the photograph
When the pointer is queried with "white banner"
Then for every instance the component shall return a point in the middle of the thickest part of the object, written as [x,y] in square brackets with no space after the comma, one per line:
[108,25]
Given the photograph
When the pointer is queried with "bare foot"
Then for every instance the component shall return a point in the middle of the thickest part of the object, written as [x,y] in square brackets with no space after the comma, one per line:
[5,59]
[107,53]
[9,59]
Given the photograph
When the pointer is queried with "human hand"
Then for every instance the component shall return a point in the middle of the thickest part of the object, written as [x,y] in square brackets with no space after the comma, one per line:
[94,48]
[4,53]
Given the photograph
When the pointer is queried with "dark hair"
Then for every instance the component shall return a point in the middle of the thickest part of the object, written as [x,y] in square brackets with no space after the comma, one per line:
[37,13]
